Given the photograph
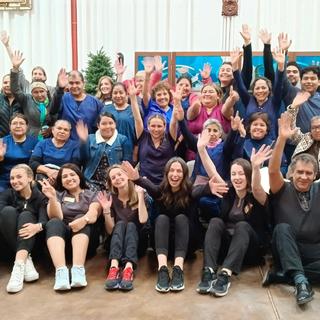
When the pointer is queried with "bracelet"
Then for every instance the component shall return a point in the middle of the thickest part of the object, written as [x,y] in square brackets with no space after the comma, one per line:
[40,226]
[106,212]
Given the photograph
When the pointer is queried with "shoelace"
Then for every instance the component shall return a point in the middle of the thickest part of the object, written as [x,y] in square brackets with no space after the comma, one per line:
[206,276]
[127,274]
[62,274]
[17,273]
[113,273]
[176,274]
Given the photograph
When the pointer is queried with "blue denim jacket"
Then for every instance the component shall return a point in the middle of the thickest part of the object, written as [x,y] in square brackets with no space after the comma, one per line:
[91,153]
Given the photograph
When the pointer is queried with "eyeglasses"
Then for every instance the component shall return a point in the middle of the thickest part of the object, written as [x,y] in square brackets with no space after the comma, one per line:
[314,128]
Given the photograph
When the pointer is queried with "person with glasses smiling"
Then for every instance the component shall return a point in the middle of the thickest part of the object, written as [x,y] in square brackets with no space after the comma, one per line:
[306,142]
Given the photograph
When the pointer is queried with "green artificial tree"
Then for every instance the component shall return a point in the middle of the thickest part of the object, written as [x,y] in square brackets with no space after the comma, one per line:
[99,65]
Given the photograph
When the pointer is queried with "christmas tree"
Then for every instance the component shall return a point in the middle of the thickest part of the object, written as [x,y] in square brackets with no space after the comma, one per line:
[99,65]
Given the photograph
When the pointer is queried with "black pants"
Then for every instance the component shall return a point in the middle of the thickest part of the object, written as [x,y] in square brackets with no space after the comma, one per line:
[291,256]
[180,224]
[11,221]
[124,243]
[233,249]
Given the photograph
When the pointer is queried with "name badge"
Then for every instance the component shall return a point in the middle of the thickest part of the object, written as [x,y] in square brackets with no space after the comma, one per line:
[69,199]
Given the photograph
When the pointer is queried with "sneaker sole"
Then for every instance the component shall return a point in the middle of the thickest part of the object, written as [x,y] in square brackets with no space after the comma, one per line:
[125,288]
[304,301]
[111,288]
[176,288]
[65,288]
[14,290]
[162,290]
[78,285]
[31,278]
[221,294]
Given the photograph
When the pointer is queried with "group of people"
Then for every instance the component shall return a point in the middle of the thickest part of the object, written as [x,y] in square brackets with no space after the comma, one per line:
[144,156]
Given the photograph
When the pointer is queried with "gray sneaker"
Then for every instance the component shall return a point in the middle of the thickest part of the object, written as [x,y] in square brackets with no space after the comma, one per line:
[177,282]
[221,286]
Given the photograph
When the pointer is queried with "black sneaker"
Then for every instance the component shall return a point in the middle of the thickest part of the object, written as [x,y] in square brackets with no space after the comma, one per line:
[222,284]
[177,282]
[304,293]
[207,279]
[274,277]
[163,284]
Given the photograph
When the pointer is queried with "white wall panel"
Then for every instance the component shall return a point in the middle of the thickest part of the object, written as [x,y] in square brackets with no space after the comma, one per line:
[43,34]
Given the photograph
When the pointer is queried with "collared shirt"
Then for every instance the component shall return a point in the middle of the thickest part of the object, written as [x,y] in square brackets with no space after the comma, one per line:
[110,141]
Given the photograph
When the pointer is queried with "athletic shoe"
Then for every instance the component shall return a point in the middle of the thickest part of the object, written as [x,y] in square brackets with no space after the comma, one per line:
[126,282]
[221,286]
[62,281]
[177,282]
[15,283]
[78,277]
[207,279]
[304,293]
[30,272]
[163,284]
[113,279]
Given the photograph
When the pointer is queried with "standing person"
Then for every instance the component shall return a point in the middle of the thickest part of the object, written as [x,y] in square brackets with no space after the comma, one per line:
[77,105]
[239,236]
[156,146]
[72,211]
[176,219]
[15,148]
[122,112]
[264,98]
[124,212]
[102,149]
[8,106]
[36,106]
[295,204]
[104,88]
[22,216]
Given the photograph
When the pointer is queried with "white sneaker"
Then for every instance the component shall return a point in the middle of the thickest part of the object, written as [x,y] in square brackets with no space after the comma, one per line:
[15,283]
[30,272]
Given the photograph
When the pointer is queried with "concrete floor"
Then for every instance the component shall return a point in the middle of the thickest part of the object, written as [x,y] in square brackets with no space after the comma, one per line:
[246,298]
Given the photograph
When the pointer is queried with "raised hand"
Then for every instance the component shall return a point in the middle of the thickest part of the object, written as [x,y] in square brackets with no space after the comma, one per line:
[284,42]
[206,71]
[82,131]
[178,112]
[259,157]
[148,65]
[132,90]
[119,67]
[280,57]
[284,124]
[203,139]
[131,172]
[265,36]
[158,64]
[233,94]
[3,148]
[4,38]
[218,188]
[105,200]
[300,98]
[237,124]
[235,57]
[62,78]
[47,189]
[246,34]
[17,59]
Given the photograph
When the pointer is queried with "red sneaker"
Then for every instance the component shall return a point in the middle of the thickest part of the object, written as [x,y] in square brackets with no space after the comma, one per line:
[127,279]
[113,279]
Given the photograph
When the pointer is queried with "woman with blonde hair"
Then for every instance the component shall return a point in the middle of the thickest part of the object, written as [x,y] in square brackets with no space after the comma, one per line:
[22,216]
[104,89]
[124,212]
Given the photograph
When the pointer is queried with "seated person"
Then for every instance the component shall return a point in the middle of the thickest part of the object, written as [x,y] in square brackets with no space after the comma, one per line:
[50,154]
[102,149]
[72,211]
[15,148]
[295,206]
[124,213]
[239,235]
[22,215]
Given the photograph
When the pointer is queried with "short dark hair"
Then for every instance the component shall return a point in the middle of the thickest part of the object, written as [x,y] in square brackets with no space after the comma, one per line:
[76,72]
[303,157]
[268,82]
[106,114]
[258,115]
[313,69]
[76,169]
[19,115]
[294,64]
[118,84]
[185,77]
